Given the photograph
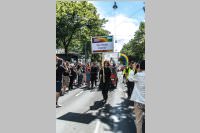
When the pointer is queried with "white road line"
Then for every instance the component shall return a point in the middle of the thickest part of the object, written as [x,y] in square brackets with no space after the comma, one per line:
[79,93]
[97,126]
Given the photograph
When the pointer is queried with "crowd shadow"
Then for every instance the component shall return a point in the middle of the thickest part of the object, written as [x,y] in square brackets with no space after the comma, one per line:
[105,112]
[97,105]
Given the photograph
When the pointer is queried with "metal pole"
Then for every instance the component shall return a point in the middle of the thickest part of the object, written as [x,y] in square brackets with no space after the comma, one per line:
[115,38]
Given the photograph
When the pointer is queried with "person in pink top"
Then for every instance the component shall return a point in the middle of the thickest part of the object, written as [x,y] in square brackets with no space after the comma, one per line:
[88,70]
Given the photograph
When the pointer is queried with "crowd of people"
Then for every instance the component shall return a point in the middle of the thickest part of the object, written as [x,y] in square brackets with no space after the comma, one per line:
[68,75]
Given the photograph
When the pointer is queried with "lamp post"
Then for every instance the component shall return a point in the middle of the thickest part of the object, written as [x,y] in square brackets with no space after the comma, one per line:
[85,53]
[87,25]
[115,7]
[85,47]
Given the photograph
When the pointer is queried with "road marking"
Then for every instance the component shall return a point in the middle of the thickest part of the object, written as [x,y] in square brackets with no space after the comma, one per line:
[79,93]
[97,126]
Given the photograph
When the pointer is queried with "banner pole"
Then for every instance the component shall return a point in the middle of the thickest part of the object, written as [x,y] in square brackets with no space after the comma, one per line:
[103,68]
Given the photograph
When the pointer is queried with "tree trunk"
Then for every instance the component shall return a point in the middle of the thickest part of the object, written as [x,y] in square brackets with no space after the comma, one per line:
[66,44]
[66,51]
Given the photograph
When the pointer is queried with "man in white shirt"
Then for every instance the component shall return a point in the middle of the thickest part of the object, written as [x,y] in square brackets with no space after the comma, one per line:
[130,81]
[138,96]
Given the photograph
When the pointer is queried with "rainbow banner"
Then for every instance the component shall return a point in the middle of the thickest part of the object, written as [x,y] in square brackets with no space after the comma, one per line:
[102,44]
[124,58]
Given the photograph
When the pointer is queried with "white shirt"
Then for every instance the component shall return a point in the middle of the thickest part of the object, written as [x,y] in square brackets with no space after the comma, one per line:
[138,94]
[131,76]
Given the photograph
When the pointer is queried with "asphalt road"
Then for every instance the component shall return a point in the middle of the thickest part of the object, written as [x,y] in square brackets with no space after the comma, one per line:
[84,112]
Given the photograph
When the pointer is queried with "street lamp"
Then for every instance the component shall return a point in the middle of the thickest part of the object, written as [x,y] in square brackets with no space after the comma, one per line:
[115,5]
[89,27]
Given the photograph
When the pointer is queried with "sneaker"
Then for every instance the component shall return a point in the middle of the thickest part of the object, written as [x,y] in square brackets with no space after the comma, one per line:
[104,101]
[57,106]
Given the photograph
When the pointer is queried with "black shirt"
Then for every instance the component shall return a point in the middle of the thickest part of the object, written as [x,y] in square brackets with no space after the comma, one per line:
[73,74]
[59,72]
[66,73]
[107,72]
[94,71]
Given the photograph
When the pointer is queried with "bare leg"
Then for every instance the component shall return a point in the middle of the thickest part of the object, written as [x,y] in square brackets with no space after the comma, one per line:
[57,97]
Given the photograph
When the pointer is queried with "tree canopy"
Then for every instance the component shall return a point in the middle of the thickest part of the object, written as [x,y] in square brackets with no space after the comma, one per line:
[135,48]
[76,22]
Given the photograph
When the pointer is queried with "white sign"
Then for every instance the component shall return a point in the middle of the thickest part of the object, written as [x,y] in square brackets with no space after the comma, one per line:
[60,51]
[102,44]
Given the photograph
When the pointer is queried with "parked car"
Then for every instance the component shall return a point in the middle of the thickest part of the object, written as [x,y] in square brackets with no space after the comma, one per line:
[114,78]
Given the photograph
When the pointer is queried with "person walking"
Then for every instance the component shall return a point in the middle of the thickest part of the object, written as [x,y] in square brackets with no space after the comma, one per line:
[138,96]
[93,75]
[105,80]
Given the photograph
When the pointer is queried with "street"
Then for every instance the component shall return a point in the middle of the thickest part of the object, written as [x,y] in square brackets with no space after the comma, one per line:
[82,111]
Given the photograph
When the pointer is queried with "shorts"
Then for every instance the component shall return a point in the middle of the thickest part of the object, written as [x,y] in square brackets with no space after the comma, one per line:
[66,80]
[58,86]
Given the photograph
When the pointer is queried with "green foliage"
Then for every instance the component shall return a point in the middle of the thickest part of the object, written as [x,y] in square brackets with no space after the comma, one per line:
[76,22]
[135,48]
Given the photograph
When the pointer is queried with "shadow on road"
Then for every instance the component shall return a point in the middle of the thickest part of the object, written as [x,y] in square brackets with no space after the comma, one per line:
[119,118]
[77,117]
[97,105]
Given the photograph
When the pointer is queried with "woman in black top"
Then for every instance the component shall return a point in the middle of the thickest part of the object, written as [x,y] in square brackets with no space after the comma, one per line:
[105,80]
[93,73]
[72,78]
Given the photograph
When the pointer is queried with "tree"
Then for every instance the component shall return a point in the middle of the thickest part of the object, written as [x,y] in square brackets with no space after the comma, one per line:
[135,48]
[76,22]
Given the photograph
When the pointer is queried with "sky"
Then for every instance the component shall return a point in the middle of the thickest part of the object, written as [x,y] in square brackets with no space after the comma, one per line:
[122,22]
